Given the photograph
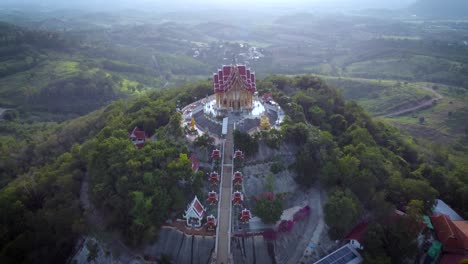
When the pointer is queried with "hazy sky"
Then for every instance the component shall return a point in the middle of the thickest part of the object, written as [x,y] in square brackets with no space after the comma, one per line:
[174,4]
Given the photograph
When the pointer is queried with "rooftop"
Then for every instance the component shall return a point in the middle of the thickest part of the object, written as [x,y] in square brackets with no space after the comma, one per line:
[344,255]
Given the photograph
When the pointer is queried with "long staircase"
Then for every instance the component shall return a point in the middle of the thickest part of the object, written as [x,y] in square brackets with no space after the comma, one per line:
[223,236]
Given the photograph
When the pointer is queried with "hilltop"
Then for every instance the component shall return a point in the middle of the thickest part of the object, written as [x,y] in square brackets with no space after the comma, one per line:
[367,162]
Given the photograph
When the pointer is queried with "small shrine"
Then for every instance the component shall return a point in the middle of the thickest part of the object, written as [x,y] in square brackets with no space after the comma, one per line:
[214,178]
[211,222]
[265,123]
[216,154]
[238,178]
[212,197]
[238,154]
[245,216]
[237,198]
[194,213]
[138,137]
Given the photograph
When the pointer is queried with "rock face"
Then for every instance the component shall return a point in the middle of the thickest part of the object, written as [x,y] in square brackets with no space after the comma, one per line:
[178,247]
[182,248]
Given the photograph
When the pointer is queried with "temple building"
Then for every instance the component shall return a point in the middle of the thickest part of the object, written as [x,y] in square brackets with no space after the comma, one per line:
[216,154]
[237,198]
[138,137]
[238,178]
[234,86]
[245,216]
[212,197]
[194,213]
[214,178]
[211,222]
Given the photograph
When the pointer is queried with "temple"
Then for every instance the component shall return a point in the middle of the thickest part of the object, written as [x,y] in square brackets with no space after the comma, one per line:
[194,213]
[211,222]
[245,215]
[214,178]
[212,198]
[237,198]
[238,178]
[138,137]
[234,87]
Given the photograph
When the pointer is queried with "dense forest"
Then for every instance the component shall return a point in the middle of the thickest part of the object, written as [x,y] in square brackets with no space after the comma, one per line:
[369,167]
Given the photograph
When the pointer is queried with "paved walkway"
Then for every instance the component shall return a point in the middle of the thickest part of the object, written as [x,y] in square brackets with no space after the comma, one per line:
[223,251]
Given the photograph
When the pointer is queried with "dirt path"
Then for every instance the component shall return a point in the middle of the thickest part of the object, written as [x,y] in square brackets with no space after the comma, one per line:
[423,104]
[224,233]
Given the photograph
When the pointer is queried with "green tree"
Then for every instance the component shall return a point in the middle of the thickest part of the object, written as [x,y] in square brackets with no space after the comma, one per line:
[269,208]
[341,212]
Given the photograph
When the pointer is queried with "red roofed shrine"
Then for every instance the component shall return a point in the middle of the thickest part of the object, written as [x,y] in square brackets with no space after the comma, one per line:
[234,86]
[237,198]
[238,154]
[214,177]
[212,197]
[216,154]
[238,178]
[194,213]
[211,222]
[245,216]
[138,137]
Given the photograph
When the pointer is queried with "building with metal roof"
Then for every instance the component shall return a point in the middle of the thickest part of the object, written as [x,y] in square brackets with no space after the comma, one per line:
[344,255]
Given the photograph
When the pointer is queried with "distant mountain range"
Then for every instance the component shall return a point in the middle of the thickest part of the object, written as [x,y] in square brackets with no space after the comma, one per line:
[440,8]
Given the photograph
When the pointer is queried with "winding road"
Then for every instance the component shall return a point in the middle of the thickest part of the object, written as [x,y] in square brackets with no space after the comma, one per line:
[436,97]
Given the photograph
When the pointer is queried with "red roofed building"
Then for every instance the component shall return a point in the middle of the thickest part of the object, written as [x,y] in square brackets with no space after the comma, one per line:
[138,137]
[245,216]
[238,154]
[214,177]
[212,197]
[216,154]
[195,163]
[452,234]
[267,97]
[234,86]
[356,235]
[211,222]
[237,198]
[194,213]
[238,178]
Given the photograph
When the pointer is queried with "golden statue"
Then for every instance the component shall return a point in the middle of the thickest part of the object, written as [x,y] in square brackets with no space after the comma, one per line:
[265,123]
[192,124]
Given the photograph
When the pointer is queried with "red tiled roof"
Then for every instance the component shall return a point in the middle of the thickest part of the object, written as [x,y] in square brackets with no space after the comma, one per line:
[137,133]
[198,207]
[214,177]
[224,79]
[358,232]
[216,153]
[245,215]
[452,235]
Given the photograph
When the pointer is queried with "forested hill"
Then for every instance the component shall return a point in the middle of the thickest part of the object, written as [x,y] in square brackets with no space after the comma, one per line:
[52,76]
[367,166]
[440,8]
